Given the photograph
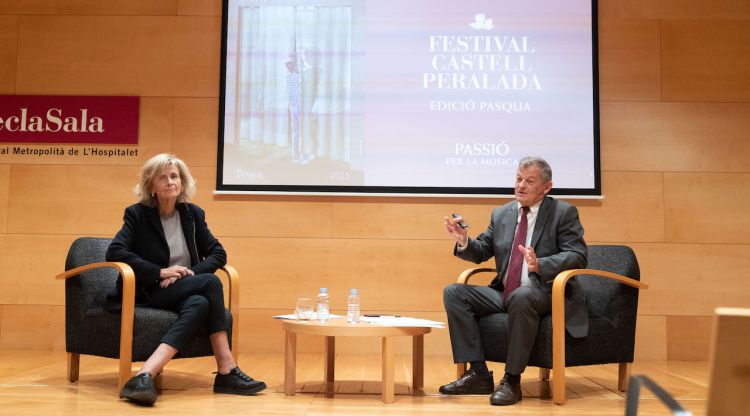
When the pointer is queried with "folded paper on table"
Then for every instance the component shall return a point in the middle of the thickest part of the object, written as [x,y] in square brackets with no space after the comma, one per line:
[314,317]
[402,321]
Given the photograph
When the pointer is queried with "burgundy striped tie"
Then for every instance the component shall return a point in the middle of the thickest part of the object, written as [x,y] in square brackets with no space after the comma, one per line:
[513,279]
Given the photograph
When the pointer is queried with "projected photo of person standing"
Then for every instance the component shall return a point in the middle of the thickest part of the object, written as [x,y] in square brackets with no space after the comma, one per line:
[294,82]
[289,116]
[532,239]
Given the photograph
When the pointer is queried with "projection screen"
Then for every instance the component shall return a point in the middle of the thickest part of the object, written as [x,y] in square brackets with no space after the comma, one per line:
[407,97]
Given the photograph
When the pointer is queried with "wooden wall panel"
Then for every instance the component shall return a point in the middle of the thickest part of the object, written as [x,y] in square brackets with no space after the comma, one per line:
[651,338]
[707,207]
[103,192]
[198,7]
[146,56]
[196,122]
[688,337]
[269,217]
[28,266]
[155,131]
[686,137]
[692,279]
[95,7]
[632,209]
[4,193]
[390,274]
[413,218]
[706,60]
[77,200]
[33,327]
[675,113]
[629,61]
[259,332]
[674,9]
[8,53]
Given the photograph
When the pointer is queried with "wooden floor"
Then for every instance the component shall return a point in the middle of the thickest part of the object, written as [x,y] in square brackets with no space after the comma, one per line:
[34,383]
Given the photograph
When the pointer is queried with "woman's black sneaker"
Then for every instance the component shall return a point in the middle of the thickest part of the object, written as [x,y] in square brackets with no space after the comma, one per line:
[140,389]
[237,382]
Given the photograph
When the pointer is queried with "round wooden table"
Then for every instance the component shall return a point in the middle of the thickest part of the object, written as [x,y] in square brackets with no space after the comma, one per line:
[338,327]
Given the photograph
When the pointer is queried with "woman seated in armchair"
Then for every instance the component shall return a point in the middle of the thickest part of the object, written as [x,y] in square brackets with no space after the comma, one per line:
[166,241]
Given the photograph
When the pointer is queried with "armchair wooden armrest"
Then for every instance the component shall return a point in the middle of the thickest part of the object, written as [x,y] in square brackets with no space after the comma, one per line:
[468,273]
[234,306]
[126,325]
[558,327]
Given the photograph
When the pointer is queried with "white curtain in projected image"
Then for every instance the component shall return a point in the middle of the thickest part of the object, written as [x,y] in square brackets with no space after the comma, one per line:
[294,91]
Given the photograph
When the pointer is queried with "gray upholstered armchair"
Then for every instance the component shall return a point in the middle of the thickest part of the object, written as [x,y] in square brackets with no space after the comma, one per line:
[132,334]
[613,306]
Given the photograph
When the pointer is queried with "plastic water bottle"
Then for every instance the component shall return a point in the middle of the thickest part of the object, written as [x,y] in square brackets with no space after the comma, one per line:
[323,304]
[352,307]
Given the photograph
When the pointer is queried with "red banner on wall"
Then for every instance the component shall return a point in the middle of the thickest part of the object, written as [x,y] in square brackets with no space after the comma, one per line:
[68,119]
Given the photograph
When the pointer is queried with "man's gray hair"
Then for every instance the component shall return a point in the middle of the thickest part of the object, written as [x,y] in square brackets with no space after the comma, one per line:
[542,164]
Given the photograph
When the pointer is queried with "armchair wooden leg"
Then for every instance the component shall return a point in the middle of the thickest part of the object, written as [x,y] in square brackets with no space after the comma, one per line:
[460,369]
[623,376]
[543,373]
[126,372]
[235,340]
[159,381]
[74,362]
[558,385]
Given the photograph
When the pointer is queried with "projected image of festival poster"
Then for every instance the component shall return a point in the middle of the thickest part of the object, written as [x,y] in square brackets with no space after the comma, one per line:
[417,93]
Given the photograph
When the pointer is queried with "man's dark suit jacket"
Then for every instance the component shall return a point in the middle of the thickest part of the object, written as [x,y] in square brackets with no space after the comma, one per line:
[558,243]
[141,244]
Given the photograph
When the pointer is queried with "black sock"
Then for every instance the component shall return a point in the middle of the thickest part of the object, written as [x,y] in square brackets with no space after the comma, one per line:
[480,368]
[513,378]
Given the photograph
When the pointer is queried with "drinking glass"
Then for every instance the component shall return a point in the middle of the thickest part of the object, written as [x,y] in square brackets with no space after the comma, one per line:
[304,309]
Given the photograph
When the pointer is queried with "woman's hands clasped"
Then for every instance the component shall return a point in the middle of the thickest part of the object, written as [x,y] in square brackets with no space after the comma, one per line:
[171,274]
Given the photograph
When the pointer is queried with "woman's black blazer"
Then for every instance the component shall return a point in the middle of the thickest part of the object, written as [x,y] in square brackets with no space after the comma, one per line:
[142,245]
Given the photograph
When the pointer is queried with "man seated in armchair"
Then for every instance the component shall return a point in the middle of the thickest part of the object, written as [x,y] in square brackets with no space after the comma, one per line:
[532,239]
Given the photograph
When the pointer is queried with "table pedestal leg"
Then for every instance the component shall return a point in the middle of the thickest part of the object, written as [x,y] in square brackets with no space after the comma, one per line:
[330,363]
[388,372]
[290,364]
[417,363]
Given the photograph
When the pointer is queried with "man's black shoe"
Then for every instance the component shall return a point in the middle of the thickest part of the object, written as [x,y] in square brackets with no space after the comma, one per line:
[469,383]
[140,389]
[237,382]
[507,393]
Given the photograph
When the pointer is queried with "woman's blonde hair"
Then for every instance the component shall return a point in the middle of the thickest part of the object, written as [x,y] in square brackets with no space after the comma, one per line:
[152,168]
